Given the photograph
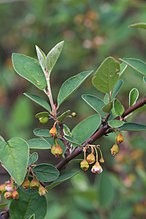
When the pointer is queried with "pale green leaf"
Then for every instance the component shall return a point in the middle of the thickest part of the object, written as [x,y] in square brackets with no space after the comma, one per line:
[70,85]
[115,123]
[118,108]
[41,132]
[14,156]
[29,69]
[39,100]
[38,143]
[53,55]
[123,68]
[41,57]
[107,75]
[133,96]
[138,25]
[133,127]
[33,158]
[117,88]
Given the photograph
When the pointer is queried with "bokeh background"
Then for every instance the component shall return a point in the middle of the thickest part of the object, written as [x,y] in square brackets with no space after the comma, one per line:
[92,30]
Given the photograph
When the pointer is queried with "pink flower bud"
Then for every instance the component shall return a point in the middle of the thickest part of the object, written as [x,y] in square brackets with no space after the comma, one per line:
[96,168]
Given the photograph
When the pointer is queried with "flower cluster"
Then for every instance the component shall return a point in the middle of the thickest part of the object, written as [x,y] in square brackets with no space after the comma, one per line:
[92,158]
[9,190]
[115,148]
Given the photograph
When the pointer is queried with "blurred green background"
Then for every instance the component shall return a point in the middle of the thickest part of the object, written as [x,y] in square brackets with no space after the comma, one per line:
[92,30]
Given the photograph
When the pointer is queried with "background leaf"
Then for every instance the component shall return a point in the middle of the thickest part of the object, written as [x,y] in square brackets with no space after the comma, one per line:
[138,25]
[70,85]
[133,96]
[133,127]
[38,143]
[106,75]
[14,156]
[29,69]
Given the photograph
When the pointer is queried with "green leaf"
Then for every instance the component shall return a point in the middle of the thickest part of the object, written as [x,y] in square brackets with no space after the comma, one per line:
[138,25]
[108,107]
[136,64]
[38,143]
[115,123]
[94,102]
[118,108]
[117,88]
[41,132]
[63,116]
[86,128]
[133,127]
[41,114]
[14,156]
[122,212]
[107,75]
[39,100]
[28,204]
[46,172]
[70,85]
[32,216]
[123,68]
[29,69]
[144,79]
[53,55]
[65,175]
[133,96]
[72,140]
[41,57]
[33,158]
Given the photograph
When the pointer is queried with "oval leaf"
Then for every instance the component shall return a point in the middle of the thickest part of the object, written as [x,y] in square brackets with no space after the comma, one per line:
[14,156]
[53,55]
[138,25]
[117,88]
[86,128]
[27,205]
[108,107]
[115,123]
[29,69]
[133,96]
[70,85]
[38,143]
[133,127]
[46,172]
[33,158]
[118,108]
[106,75]
[41,132]
[39,100]
[41,57]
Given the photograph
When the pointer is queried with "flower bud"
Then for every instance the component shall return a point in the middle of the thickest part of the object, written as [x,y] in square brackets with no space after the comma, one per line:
[2,188]
[26,183]
[56,150]
[9,187]
[91,158]
[34,183]
[101,160]
[84,165]
[42,190]
[8,195]
[43,120]
[96,168]
[119,138]
[15,195]
[114,149]
[53,131]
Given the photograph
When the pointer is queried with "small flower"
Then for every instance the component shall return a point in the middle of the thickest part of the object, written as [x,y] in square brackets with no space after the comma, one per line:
[119,138]
[42,190]
[15,195]
[91,158]
[26,183]
[2,188]
[56,150]
[115,149]
[96,168]
[8,195]
[53,131]
[9,187]
[34,183]
[84,165]
[101,160]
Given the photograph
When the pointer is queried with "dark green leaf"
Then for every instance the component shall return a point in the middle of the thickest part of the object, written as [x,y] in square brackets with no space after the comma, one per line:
[70,85]
[133,96]
[63,116]
[33,158]
[53,55]
[117,88]
[41,57]
[41,132]
[27,205]
[138,25]
[94,102]
[32,216]
[14,156]
[39,100]
[115,123]
[38,143]
[29,69]
[107,108]
[122,212]
[72,140]
[133,127]
[107,75]
[46,172]
[86,128]
[118,108]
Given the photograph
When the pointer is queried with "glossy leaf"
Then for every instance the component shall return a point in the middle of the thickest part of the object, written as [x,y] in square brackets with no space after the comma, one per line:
[86,128]
[107,75]
[133,127]
[117,88]
[136,64]
[29,69]
[41,132]
[39,100]
[33,158]
[65,175]
[118,108]
[138,25]
[14,156]
[46,172]
[94,102]
[53,55]
[133,96]
[70,85]
[115,123]
[41,57]
[27,205]
[38,143]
